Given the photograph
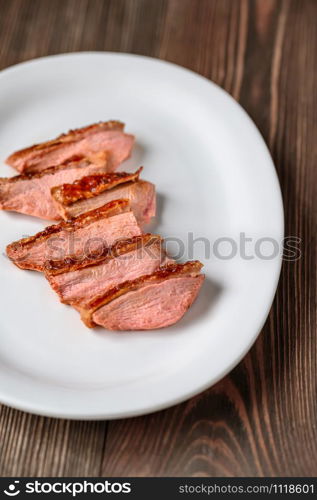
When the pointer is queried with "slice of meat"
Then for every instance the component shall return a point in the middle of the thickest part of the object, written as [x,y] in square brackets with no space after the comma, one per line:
[103,136]
[31,193]
[148,302]
[88,233]
[78,280]
[96,190]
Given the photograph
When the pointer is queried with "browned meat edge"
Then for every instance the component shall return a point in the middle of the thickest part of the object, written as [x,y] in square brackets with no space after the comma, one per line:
[72,162]
[190,268]
[73,263]
[71,136]
[114,207]
[90,186]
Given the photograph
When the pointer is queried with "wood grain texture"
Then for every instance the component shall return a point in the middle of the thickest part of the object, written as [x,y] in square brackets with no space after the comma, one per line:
[262,418]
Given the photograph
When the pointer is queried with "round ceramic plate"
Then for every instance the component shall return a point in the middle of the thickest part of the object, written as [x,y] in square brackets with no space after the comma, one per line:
[219,201]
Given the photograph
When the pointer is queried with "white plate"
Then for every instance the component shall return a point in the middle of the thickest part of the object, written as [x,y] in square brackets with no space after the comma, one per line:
[215,179]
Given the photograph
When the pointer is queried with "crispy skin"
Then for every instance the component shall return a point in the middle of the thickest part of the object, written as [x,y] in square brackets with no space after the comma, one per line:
[91,186]
[191,268]
[73,263]
[96,159]
[141,195]
[34,175]
[71,136]
[112,208]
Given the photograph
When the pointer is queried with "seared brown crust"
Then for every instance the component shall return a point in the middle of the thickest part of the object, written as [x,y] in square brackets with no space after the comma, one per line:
[35,175]
[74,263]
[91,186]
[190,268]
[75,161]
[71,136]
[114,207]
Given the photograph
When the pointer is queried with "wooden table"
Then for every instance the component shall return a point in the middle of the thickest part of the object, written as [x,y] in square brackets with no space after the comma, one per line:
[262,418]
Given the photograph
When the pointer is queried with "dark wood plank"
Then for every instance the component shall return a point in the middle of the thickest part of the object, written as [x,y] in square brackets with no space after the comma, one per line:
[261,419]
[37,446]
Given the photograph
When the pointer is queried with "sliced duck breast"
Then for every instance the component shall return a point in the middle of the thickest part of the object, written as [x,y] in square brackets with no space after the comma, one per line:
[31,193]
[153,301]
[104,136]
[79,280]
[86,234]
[93,191]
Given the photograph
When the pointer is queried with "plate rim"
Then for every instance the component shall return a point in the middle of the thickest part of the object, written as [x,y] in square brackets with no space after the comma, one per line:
[10,401]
